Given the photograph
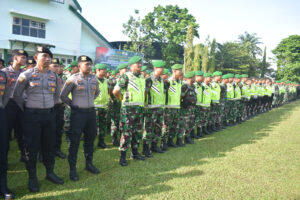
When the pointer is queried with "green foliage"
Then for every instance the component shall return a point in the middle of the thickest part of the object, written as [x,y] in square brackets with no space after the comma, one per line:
[189,50]
[205,59]
[197,52]
[212,56]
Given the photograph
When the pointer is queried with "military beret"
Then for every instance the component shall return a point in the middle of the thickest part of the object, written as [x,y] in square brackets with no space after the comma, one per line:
[230,75]
[114,72]
[84,59]
[199,73]
[100,66]
[19,52]
[207,74]
[42,49]
[217,73]
[135,59]
[61,63]
[74,64]
[177,66]
[237,76]
[31,61]
[108,70]
[68,67]
[148,71]
[54,61]
[122,66]
[165,71]
[244,76]
[225,76]
[22,67]
[144,68]
[170,74]
[159,64]
[189,75]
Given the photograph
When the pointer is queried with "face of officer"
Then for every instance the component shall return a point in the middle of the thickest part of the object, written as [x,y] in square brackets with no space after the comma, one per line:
[217,78]
[20,60]
[123,71]
[43,60]
[54,68]
[237,80]
[177,73]
[244,80]
[85,68]
[207,80]
[1,65]
[75,70]
[230,80]
[199,79]
[158,71]
[60,69]
[164,76]
[100,73]
[190,81]
[136,67]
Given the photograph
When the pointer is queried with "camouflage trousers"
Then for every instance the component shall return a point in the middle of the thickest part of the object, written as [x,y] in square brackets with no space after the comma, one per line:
[115,118]
[131,125]
[101,116]
[67,114]
[154,119]
[206,115]
[188,116]
[230,112]
[245,108]
[238,108]
[199,115]
[172,118]
[216,112]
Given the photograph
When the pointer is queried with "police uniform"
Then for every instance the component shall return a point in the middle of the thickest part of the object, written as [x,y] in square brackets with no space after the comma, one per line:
[42,92]
[13,111]
[84,90]
[4,137]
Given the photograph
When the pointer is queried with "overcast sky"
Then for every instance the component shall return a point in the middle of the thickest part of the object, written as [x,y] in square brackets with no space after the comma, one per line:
[272,20]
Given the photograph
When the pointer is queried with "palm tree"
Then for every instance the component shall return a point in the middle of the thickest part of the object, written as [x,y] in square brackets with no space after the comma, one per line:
[251,42]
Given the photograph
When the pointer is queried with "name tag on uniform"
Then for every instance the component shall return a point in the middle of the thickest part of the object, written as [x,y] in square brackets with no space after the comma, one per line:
[52,84]
[34,75]
[32,84]
[80,87]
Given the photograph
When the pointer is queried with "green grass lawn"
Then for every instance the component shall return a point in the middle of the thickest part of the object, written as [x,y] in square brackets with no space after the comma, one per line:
[259,159]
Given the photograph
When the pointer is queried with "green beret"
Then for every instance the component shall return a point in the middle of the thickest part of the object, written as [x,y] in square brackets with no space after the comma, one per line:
[217,73]
[22,67]
[73,64]
[230,75]
[122,66]
[143,68]
[135,59]
[237,76]
[165,71]
[114,72]
[199,73]
[100,66]
[245,76]
[93,69]
[148,71]
[177,66]
[170,74]
[225,76]
[108,70]
[61,63]
[189,75]
[68,67]
[159,64]
[207,74]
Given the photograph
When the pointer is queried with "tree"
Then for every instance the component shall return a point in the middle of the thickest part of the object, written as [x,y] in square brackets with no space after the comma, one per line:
[139,41]
[189,50]
[168,25]
[264,64]
[287,56]
[205,59]
[212,57]
[197,52]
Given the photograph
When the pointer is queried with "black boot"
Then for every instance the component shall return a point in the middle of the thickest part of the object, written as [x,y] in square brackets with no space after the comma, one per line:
[123,161]
[6,193]
[101,143]
[209,128]
[74,174]
[164,145]
[199,132]
[171,143]
[146,150]
[205,131]
[40,157]
[192,134]
[135,154]
[196,136]
[60,154]
[155,148]
[188,140]
[91,168]
[179,142]
[115,141]
[213,128]
[218,127]
[53,178]
[33,181]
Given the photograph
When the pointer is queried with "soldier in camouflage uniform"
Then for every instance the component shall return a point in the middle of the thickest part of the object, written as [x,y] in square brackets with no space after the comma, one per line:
[206,104]
[223,101]
[229,107]
[215,106]
[130,89]
[188,106]
[154,109]
[237,99]
[245,87]
[198,110]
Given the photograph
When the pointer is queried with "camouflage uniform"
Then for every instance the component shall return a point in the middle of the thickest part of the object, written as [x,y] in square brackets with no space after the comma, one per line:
[114,110]
[223,102]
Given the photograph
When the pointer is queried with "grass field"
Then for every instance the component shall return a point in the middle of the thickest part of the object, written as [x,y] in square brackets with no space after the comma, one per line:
[259,159]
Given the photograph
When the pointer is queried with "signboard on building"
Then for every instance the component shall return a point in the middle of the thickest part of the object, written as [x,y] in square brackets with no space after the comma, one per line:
[113,57]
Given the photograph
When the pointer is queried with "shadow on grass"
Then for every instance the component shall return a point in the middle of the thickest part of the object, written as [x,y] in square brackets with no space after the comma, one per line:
[142,178]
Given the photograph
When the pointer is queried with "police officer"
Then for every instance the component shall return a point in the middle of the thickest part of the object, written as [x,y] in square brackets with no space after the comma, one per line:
[13,111]
[84,88]
[42,89]
[130,89]
[59,109]
[4,137]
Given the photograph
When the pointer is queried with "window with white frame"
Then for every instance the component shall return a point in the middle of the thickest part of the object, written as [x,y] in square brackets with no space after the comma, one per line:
[27,27]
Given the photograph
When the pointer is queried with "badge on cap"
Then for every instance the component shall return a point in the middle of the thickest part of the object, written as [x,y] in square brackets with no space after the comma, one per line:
[40,48]
[21,51]
[30,61]
[83,58]
[54,60]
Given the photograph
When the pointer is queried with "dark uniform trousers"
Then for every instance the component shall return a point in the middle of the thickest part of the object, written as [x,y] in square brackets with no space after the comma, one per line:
[59,111]
[14,120]
[82,120]
[4,142]
[39,134]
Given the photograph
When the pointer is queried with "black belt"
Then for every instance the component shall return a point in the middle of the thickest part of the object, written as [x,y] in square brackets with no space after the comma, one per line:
[39,110]
[86,110]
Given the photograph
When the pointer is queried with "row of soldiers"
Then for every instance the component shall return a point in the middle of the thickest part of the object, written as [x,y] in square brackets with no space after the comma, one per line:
[39,103]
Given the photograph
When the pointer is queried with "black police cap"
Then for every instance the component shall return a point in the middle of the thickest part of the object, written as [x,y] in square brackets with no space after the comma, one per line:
[55,61]
[42,49]
[19,52]
[31,61]
[84,59]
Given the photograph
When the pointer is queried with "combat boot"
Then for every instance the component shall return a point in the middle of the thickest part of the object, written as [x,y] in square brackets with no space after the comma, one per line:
[196,136]
[179,142]
[164,145]
[146,150]
[123,161]
[33,181]
[115,140]
[74,174]
[188,140]
[199,132]
[171,143]
[155,148]
[135,154]
[51,176]
[91,168]
[101,143]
